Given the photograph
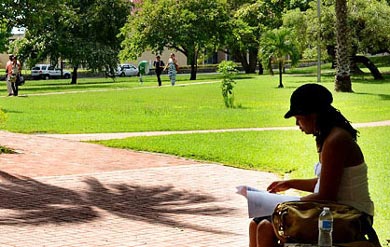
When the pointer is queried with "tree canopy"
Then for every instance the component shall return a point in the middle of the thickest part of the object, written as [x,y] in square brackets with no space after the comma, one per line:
[81,32]
[250,19]
[367,22]
[191,27]
[276,45]
[90,33]
[5,33]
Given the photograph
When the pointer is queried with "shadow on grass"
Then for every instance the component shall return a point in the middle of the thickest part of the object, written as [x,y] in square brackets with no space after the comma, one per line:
[369,79]
[382,96]
[28,201]
[67,86]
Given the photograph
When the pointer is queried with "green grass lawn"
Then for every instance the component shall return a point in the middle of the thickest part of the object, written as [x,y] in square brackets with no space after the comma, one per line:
[102,105]
[99,105]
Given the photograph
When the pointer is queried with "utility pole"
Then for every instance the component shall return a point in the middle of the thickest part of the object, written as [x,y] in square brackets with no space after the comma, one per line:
[319,41]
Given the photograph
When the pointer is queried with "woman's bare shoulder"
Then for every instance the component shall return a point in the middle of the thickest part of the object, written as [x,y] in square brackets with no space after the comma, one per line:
[341,144]
[339,134]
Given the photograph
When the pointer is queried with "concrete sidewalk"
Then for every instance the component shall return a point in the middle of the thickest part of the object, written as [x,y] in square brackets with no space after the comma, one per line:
[109,136]
[57,192]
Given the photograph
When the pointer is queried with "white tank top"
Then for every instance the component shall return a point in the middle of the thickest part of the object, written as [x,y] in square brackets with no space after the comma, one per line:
[353,189]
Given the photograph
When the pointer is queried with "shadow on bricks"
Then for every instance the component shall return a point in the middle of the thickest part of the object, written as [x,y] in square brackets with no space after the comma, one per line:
[29,201]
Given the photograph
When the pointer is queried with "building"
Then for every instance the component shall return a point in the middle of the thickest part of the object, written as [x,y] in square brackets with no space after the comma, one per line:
[182,60]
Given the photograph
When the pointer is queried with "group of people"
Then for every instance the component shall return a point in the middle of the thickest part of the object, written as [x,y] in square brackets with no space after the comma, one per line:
[341,172]
[13,70]
[172,67]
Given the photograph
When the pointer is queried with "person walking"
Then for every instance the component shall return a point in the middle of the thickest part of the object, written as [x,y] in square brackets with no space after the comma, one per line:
[158,68]
[172,68]
[15,75]
[8,73]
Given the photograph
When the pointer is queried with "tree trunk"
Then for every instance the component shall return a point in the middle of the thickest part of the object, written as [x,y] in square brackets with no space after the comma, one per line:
[364,60]
[244,62]
[280,75]
[354,68]
[261,69]
[253,53]
[331,50]
[74,75]
[271,70]
[194,65]
[194,69]
[248,66]
[343,77]
[62,68]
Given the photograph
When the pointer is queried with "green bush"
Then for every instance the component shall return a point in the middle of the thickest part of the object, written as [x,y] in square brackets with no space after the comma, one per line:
[4,149]
[228,71]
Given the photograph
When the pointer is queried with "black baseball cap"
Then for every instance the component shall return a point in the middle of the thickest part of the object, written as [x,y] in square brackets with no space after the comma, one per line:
[309,98]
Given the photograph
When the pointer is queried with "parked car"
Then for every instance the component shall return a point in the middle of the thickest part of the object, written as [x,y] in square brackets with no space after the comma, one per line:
[47,71]
[127,70]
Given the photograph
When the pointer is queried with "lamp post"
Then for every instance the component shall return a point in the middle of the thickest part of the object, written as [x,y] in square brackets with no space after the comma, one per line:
[319,41]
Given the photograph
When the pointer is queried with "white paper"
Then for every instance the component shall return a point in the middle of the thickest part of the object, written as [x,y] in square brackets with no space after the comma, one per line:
[262,203]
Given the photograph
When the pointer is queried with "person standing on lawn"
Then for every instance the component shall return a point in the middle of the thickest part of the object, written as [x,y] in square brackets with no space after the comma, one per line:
[158,68]
[172,68]
[15,75]
[8,73]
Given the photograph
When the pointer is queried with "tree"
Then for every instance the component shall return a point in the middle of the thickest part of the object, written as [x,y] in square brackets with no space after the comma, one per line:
[368,27]
[249,20]
[228,71]
[82,32]
[243,38]
[5,33]
[296,21]
[38,18]
[190,27]
[370,32]
[7,22]
[92,40]
[343,78]
[276,46]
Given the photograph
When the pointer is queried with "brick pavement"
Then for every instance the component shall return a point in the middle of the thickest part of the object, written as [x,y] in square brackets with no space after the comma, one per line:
[67,193]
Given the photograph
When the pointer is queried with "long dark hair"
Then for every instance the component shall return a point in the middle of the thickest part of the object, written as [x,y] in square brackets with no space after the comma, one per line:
[327,120]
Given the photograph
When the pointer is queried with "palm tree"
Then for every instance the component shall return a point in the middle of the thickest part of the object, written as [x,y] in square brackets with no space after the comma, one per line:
[276,46]
[343,76]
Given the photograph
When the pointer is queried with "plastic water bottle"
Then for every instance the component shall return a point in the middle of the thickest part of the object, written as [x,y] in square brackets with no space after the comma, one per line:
[325,228]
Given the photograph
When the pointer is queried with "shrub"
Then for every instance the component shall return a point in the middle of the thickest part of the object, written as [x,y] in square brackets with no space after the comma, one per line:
[2,148]
[228,71]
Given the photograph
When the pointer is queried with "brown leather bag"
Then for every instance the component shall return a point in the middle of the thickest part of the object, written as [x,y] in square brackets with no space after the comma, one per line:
[297,222]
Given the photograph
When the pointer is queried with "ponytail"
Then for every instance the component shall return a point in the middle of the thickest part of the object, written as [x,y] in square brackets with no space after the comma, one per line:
[327,120]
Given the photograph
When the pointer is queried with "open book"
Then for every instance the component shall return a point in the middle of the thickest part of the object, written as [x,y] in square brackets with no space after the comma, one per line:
[262,203]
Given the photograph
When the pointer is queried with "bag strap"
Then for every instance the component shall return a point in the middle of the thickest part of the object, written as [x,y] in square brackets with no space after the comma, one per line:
[372,236]
[366,224]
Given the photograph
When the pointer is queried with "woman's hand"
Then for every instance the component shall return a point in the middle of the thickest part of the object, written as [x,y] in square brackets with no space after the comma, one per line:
[278,186]
[298,184]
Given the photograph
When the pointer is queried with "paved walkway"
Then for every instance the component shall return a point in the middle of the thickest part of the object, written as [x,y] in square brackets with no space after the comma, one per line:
[58,192]
[108,136]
